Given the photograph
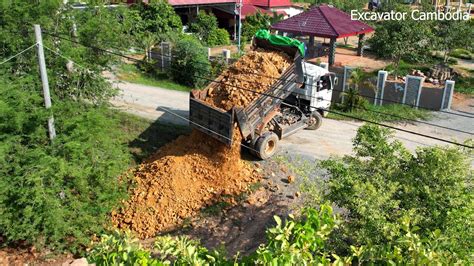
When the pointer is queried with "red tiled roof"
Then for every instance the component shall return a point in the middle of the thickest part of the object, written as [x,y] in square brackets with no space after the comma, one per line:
[268,3]
[198,2]
[323,21]
[248,10]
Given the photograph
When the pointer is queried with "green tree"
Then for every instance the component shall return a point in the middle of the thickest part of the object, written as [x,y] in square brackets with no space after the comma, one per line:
[206,29]
[408,39]
[158,17]
[59,194]
[190,66]
[256,22]
[452,34]
[352,98]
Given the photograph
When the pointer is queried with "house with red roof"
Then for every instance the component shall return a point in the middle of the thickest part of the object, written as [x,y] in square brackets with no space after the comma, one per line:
[227,12]
[282,7]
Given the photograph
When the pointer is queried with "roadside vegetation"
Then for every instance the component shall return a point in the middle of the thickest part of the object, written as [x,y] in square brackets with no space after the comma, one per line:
[384,113]
[355,106]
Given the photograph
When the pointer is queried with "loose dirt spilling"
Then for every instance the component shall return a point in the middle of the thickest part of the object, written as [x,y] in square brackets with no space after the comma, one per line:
[196,170]
[255,71]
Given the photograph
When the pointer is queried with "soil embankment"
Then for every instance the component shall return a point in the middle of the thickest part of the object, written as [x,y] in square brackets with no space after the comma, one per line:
[196,170]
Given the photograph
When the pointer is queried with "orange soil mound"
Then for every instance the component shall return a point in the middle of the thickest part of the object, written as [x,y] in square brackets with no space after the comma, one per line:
[255,71]
[196,170]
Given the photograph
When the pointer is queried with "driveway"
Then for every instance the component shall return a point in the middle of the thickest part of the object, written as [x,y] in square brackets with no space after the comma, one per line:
[332,138]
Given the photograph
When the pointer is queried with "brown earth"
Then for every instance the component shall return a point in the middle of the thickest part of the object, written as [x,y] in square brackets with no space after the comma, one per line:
[255,71]
[195,171]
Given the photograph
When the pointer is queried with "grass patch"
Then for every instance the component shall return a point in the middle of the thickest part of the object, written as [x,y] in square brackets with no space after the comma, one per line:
[462,54]
[465,84]
[385,113]
[143,136]
[130,73]
[405,68]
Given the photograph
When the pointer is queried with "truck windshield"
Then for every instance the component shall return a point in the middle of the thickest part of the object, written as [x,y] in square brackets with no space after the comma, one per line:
[324,83]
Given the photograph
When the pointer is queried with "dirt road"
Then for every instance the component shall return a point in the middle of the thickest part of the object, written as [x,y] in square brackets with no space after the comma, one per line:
[333,138]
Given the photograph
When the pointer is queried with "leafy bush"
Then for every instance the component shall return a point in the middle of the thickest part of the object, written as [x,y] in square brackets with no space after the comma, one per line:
[120,249]
[56,195]
[352,98]
[298,242]
[461,53]
[190,65]
[206,29]
[384,183]
[218,37]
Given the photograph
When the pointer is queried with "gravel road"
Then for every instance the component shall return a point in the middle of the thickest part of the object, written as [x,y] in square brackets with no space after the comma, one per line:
[333,138]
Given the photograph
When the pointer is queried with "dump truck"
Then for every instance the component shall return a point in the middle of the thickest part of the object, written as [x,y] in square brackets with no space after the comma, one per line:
[297,100]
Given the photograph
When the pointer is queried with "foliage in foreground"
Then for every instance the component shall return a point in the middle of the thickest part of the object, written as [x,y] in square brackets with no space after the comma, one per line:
[384,188]
[296,241]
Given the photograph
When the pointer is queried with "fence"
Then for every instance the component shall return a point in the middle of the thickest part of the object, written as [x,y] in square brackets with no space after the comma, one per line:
[163,56]
[413,91]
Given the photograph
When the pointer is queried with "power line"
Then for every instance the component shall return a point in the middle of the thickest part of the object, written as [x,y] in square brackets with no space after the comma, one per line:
[261,75]
[350,116]
[331,111]
[342,91]
[18,54]
[166,110]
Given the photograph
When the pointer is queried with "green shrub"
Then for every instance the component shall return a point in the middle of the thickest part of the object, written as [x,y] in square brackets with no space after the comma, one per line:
[120,249]
[218,37]
[190,65]
[56,195]
[462,54]
[384,183]
[206,29]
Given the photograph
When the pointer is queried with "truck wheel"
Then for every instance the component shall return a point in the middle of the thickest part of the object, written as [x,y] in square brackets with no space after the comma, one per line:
[266,145]
[314,121]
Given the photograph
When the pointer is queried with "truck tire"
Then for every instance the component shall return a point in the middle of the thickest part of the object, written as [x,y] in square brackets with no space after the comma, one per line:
[315,120]
[266,145]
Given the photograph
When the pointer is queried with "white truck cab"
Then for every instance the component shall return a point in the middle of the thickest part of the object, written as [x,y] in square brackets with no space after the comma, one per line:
[318,88]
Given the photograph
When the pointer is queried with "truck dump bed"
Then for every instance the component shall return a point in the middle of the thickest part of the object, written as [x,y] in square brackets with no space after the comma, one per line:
[210,120]
[220,124]
[256,113]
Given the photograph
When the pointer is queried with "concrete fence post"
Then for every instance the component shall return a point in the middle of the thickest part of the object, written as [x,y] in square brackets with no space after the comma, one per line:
[412,91]
[209,53]
[381,79]
[345,81]
[448,92]
[226,54]
[165,55]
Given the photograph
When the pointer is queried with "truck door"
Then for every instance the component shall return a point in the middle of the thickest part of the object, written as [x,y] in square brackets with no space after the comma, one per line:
[324,89]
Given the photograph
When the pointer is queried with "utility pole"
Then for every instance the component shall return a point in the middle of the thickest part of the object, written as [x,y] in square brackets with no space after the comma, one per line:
[240,26]
[44,80]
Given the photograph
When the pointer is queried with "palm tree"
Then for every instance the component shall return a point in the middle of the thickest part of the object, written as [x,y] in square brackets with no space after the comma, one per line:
[352,98]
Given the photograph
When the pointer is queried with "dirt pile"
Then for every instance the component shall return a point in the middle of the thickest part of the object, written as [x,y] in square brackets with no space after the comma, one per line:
[255,71]
[196,170]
